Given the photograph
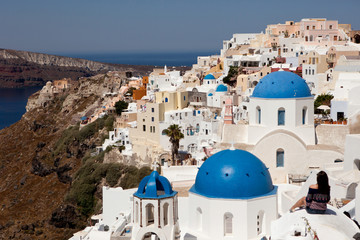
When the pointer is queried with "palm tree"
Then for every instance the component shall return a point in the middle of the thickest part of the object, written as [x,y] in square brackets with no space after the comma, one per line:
[175,134]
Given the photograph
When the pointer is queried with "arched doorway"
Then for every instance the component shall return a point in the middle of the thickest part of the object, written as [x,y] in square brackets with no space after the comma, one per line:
[150,236]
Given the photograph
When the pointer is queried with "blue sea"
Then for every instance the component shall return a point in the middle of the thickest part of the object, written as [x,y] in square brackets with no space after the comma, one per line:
[12,104]
[13,101]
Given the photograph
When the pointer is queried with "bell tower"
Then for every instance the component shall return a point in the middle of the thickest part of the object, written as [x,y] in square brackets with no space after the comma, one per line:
[155,210]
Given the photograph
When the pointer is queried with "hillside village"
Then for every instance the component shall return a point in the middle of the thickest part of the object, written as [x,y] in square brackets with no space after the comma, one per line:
[290,96]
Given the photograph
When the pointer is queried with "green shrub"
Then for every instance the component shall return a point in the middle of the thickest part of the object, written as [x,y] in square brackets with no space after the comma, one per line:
[109,122]
[113,174]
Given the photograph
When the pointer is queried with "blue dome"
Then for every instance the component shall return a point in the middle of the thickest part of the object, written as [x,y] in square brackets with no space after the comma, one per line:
[154,186]
[209,76]
[210,94]
[282,84]
[221,88]
[233,174]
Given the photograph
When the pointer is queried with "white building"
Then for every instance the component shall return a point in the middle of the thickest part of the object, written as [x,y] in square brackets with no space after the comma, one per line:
[119,137]
[346,102]
[280,128]
[233,198]
[198,126]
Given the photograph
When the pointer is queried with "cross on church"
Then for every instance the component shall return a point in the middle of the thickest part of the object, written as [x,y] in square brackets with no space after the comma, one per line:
[154,166]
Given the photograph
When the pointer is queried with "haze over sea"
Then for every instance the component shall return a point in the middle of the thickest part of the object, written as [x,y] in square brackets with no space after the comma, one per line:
[13,101]
[145,58]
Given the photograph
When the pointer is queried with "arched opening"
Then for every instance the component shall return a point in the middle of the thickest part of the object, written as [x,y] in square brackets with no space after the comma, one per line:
[350,193]
[163,132]
[166,214]
[136,212]
[260,218]
[281,116]
[149,209]
[304,113]
[150,236]
[228,225]
[258,115]
[199,218]
[280,157]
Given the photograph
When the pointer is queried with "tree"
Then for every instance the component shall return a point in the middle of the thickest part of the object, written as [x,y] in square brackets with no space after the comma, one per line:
[230,79]
[120,106]
[175,134]
[323,99]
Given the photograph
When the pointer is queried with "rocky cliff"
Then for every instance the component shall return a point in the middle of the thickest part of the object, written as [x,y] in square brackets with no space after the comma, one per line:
[50,174]
[21,68]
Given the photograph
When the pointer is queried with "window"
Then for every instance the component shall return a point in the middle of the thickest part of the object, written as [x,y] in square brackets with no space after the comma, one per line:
[228,224]
[152,110]
[184,98]
[166,214]
[313,27]
[149,214]
[194,113]
[306,39]
[197,128]
[307,27]
[305,71]
[304,115]
[258,115]
[330,27]
[281,116]
[152,119]
[166,99]
[311,38]
[280,158]
[153,128]
[313,72]
[144,128]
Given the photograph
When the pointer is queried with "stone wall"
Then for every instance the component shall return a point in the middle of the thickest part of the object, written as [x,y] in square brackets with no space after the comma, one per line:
[332,134]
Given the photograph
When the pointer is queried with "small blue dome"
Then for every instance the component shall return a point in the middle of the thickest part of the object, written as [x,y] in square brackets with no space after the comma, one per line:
[221,88]
[282,84]
[154,186]
[209,76]
[210,94]
[233,174]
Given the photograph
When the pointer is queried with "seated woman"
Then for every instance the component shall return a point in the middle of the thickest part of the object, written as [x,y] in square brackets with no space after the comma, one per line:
[317,197]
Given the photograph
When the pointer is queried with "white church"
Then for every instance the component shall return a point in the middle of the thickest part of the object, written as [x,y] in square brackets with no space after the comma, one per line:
[280,129]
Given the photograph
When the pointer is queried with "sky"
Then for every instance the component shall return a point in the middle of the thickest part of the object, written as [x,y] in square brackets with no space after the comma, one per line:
[107,26]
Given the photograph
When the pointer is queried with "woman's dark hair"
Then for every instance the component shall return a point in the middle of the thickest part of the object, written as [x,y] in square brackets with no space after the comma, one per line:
[323,182]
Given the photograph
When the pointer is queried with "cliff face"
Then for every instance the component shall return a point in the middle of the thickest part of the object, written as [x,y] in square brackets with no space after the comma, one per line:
[21,68]
[41,154]
[52,60]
